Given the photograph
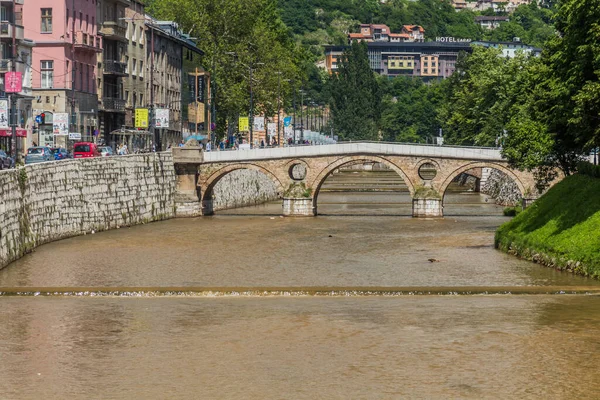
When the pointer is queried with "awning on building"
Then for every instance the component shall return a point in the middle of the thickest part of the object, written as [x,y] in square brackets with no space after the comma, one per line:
[7,132]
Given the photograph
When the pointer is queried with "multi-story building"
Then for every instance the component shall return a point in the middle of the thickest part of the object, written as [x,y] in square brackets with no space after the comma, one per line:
[167,48]
[112,28]
[429,60]
[134,81]
[382,33]
[65,65]
[19,60]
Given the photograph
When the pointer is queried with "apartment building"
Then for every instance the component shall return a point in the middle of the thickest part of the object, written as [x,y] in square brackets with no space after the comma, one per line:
[112,27]
[19,60]
[65,66]
[168,47]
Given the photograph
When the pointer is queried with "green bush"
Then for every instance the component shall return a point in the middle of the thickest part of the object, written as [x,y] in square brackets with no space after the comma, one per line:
[589,169]
[512,211]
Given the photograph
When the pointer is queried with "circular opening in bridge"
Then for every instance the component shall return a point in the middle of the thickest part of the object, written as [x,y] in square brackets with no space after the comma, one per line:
[427,171]
[298,172]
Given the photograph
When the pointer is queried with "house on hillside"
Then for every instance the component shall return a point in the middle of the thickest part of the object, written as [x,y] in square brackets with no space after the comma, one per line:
[382,33]
[490,22]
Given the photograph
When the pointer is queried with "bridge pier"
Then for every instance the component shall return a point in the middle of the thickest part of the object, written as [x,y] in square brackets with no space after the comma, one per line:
[427,208]
[298,207]
[207,207]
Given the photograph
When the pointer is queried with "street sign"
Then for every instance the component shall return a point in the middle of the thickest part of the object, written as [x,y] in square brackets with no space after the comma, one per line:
[38,119]
[74,136]
[13,82]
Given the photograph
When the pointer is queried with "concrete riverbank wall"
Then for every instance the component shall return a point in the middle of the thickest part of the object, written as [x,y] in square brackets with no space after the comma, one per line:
[44,202]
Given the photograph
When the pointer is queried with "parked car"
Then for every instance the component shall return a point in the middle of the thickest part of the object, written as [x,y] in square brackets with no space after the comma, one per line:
[106,151]
[6,161]
[38,154]
[85,150]
[60,153]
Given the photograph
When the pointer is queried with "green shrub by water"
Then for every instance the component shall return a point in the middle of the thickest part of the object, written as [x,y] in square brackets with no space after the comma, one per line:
[561,229]
[512,211]
[588,169]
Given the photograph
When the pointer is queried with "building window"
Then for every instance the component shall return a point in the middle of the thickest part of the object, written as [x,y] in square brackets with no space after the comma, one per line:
[134,67]
[127,97]
[133,30]
[141,41]
[141,74]
[87,78]
[426,64]
[46,20]
[47,74]
[126,64]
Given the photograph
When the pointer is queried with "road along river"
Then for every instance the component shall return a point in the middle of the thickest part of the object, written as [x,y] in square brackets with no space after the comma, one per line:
[250,305]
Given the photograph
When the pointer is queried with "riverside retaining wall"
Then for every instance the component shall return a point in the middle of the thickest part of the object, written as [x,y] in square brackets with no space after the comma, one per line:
[243,187]
[44,202]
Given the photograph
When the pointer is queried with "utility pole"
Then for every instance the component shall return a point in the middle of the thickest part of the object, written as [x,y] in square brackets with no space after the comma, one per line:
[13,96]
[278,108]
[153,131]
[251,110]
[73,69]
[301,114]
[294,107]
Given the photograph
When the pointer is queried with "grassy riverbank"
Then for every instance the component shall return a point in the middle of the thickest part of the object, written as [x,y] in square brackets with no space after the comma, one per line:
[561,229]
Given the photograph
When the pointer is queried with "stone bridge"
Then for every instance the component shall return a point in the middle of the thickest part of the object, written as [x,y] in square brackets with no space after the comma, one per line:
[299,172]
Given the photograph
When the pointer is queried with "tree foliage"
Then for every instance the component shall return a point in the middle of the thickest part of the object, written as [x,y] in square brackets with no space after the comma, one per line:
[355,96]
[237,36]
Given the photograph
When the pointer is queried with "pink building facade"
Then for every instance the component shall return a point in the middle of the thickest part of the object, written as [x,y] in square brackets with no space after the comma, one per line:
[64,57]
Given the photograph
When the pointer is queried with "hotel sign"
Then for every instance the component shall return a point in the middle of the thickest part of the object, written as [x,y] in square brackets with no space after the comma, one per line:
[450,39]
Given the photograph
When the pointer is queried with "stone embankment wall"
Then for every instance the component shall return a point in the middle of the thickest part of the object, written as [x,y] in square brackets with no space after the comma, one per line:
[44,202]
[502,189]
[243,187]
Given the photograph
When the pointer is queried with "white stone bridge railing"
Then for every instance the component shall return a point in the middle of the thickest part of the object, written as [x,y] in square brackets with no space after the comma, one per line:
[351,148]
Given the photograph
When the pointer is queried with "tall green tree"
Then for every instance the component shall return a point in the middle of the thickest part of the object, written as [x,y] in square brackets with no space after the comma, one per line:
[355,96]
[239,36]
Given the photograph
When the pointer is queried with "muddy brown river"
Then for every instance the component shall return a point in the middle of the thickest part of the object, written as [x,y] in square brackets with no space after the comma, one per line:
[290,344]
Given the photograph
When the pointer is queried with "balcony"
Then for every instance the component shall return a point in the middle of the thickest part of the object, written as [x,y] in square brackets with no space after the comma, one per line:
[114,30]
[112,104]
[6,31]
[85,42]
[112,67]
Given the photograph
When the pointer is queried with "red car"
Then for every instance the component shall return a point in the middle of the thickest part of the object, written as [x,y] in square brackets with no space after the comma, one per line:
[85,149]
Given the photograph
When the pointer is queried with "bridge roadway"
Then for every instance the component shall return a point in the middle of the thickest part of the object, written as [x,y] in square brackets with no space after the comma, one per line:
[299,171]
[350,148]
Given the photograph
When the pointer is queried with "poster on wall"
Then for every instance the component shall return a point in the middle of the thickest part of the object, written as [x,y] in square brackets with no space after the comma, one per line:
[3,113]
[60,124]
[272,128]
[288,132]
[259,123]
[162,118]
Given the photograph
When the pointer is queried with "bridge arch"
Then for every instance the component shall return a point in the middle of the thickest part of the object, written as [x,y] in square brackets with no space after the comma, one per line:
[328,170]
[207,186]
[510,173]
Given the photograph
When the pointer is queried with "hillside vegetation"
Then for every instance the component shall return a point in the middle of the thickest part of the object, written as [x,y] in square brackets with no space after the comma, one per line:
[561,229]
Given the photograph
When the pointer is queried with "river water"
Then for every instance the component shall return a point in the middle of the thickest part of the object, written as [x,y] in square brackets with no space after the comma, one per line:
[229,344]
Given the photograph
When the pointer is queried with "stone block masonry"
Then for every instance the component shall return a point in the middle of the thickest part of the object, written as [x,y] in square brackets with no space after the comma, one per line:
[242,188]
[44,202]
